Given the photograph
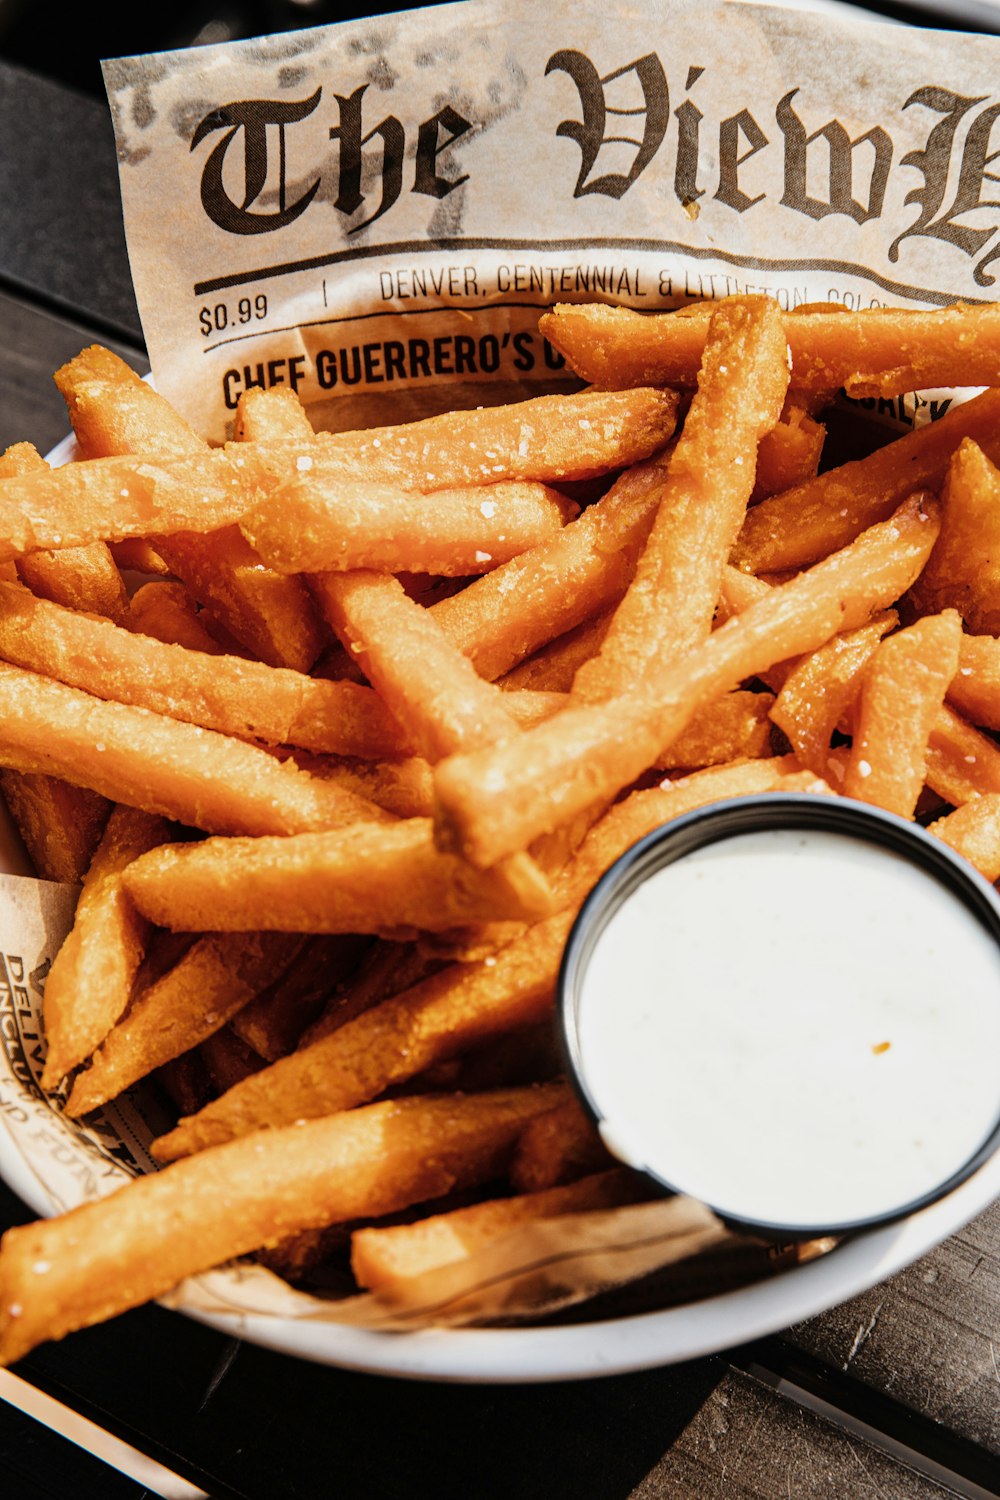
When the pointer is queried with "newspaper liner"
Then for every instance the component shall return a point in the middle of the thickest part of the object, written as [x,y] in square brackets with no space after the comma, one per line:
[456,171]
[376,212]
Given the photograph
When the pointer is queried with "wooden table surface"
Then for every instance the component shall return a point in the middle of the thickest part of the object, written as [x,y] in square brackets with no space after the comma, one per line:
[895,1395]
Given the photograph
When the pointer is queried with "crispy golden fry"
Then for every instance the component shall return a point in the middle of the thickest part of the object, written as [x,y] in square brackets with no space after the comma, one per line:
[271,416]
[402,787]
[273,1022]
[975,688]
[553,668]
[319,523]
[429,686]
[136,555]
[382,1257]
[106,499]
[90,981]
[178,770]
[214,979]
[821,688]
[963,571]
[548,439]
[387,969]
[557,585]
[962,764]
[241,698]
[495,802]
[114,412]
[789,454]
[878,352]
[670,603]
[377,878]
[795,529]
[136,1244]
[227,1059]
[901,695]
[974,831]
[394,1041]
[736,726]
[60,824]
[167,612]
[557,1148]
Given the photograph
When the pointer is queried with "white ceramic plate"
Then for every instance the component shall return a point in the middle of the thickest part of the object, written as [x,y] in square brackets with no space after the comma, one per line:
[584,1349]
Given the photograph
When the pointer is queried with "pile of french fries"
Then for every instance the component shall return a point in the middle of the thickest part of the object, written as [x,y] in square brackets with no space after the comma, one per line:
[338,776]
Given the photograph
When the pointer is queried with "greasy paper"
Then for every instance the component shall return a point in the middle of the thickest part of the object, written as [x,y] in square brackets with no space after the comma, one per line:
[378,211]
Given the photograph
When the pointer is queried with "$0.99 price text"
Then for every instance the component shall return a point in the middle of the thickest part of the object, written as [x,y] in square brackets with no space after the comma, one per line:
[221,317]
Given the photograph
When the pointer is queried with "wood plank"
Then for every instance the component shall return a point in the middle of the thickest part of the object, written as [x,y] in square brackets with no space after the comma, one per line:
[929,1337]
[747,1443]
[34,344]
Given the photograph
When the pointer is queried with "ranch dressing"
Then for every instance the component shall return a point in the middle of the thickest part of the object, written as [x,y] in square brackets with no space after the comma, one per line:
[798,1027]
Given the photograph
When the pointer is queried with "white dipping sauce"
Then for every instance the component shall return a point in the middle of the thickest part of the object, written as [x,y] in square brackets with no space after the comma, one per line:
[799,1028]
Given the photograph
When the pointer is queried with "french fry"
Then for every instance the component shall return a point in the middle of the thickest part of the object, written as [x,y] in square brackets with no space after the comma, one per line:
[89,984]
[167,612]
[60,824]
[797,528]
[821,688]
[105,1257]
[962,764]
[963,571]
[114,412]
[227,1059]
[380,1258]
[546,440]
[670,603]
[162,765]
[236,697]
[901,695]
[736,726]
[214,979]
[553,668]
[878,352]
[273,1022]
[975,688]
[492,803]
[974,832]
[320,522]
[384,1046]
[556,1148]
[271,416]
[789,454]
[377,878]
[387,969]
[559,584]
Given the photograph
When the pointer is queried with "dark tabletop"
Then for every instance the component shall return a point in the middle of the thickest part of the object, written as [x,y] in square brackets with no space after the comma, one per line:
[895,1395]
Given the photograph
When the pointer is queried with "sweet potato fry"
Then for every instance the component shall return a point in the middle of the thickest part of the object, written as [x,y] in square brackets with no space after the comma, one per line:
[320,522]
[669,605]
[901,695]
[386,1045]
[241,698]
[382,1257]
[789,454]
[376,878]
[878,352]
[178,770]
[145,1238]
[90,981]
[214,979]
[974,831]
[548,439]
[553,668]
[736,726]
[492,803]
[795,529]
